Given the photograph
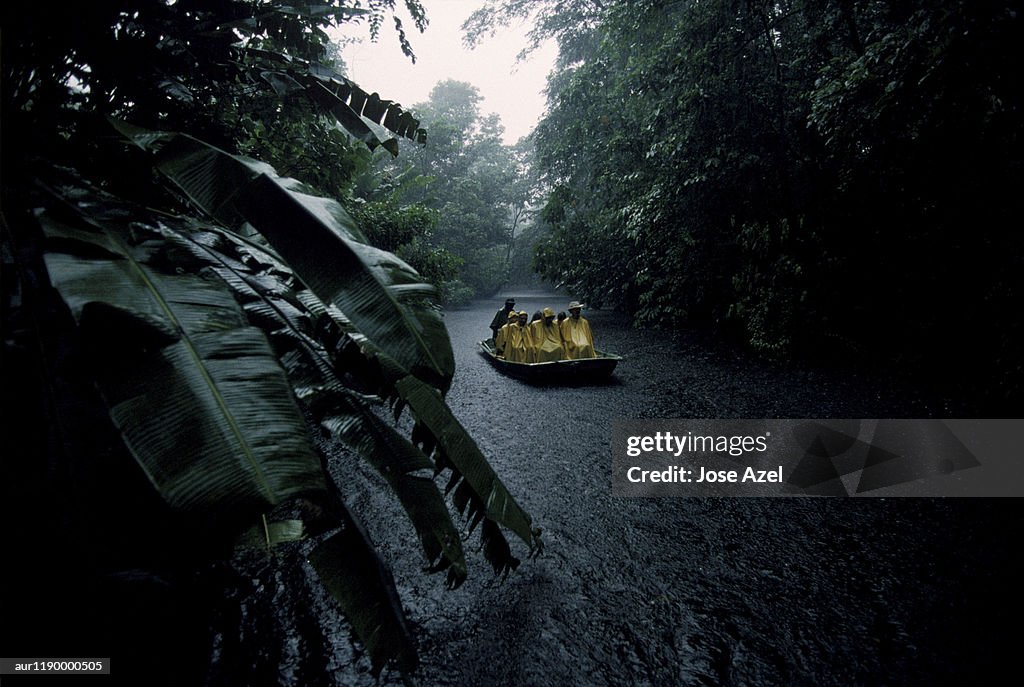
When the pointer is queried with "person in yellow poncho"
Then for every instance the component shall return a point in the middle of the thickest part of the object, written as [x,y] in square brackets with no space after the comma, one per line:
[576,335]
[519,342]
[501,338]
[547,339]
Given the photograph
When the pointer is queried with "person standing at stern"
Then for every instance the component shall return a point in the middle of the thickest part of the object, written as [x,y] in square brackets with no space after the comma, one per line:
[500,318]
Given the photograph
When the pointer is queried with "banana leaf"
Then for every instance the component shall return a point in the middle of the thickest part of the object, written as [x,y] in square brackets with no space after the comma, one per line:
[270,534]
[465,457]
[142,287]
[197,393]
[481,497]
[364,117]
[397,459]
[379,294]
[367,131]
[483,494]
[378,301]
[348,417]
[357,579]
[269,301]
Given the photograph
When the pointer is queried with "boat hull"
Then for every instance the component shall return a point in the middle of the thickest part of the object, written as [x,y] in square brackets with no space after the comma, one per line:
[583,371]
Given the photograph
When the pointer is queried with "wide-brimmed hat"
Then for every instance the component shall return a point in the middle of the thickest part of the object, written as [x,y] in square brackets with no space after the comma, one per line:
[510,301]
[575,304]
[523,313]
[548,312]
[513,315]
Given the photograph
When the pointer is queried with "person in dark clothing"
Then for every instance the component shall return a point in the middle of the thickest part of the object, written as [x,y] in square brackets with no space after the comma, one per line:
[501,317]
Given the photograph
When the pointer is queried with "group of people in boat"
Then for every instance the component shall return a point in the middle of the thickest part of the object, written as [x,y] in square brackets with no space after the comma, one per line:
[546,338]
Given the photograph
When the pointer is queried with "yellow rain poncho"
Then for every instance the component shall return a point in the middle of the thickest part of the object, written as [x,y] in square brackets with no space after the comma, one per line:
[547,339]
[578,340]
[519,342]
[502,337]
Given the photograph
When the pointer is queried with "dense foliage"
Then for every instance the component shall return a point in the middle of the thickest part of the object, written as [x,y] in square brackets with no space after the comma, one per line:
[189,337]
[480,188]
[830,176]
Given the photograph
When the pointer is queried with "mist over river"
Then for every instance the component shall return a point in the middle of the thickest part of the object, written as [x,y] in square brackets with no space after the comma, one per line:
[674,591]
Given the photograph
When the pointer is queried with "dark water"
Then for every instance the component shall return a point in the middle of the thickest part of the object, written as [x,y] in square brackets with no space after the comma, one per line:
[661,591]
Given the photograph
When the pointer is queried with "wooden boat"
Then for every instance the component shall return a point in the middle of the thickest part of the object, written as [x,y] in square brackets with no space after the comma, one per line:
[583,371]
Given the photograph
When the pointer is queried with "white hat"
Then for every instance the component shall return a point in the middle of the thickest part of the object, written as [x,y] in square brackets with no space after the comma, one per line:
[575,304]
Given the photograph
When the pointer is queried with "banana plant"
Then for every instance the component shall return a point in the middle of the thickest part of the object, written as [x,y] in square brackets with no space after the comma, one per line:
[321,242]
[207,346]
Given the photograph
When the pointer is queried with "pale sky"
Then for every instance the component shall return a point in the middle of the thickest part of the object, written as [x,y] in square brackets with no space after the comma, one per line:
[513,90]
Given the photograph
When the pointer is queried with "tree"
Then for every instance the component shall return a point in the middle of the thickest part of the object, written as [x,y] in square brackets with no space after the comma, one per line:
[801,175]
[920,118]
[174,348]
[571,22]
[472,179]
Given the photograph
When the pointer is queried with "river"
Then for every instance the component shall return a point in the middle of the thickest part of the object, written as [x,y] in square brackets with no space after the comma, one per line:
[677,591]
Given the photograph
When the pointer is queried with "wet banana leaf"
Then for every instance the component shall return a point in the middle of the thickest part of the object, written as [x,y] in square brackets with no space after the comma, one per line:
[270,534]
[352,283]
[272,304]
[183,262]
[396,459]
[349,567]
[463,453]
[288,75]
[197,393]
[482,492]
[364,116]
[378,293]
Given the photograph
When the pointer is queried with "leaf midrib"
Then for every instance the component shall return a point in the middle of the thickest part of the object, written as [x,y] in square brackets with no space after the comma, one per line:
[207,377]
